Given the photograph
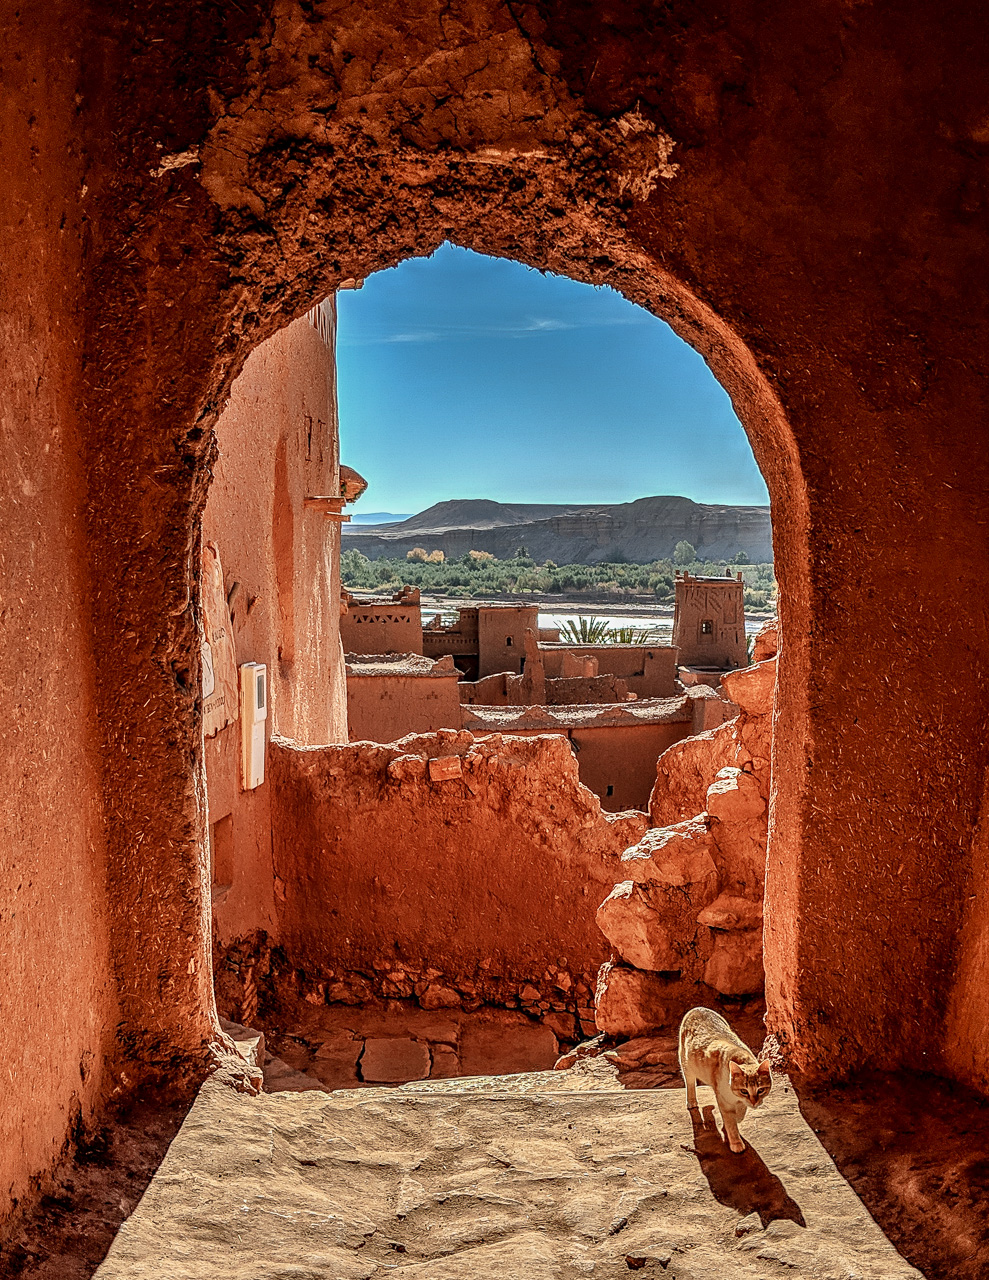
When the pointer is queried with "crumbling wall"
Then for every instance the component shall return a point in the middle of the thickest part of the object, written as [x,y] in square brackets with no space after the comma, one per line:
[384,705]
[506,690]
[649,671]
[442,867]
[585,690]
[685,921]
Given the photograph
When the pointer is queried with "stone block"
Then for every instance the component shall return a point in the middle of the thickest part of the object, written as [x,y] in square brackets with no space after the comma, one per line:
[728,912]
[436,995]
[630,1002]
[650,930]
[446,1063]
[394,1061]
[445,769]
[407,768]
[337,1073]
[678,854]
[734,796]
[334,1063]
[735,967]
[766,642]
[248,1042]
[500,1047]
[646,1051]
[752,688]
[563,1025]
[279,1077]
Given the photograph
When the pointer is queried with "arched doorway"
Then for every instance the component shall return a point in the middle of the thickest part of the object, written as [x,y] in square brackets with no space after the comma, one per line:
[731,175]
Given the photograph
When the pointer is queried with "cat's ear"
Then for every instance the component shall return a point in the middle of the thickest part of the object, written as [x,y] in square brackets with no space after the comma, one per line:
[734,1070]
[765,1070]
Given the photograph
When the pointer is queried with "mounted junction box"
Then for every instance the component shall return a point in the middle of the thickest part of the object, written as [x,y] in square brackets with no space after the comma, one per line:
[253,713]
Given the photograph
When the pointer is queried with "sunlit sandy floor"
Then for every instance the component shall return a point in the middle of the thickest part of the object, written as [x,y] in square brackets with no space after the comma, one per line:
[544,1176]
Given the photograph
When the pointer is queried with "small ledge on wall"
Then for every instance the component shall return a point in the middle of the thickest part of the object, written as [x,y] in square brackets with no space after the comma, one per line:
[352,485]
[330,505]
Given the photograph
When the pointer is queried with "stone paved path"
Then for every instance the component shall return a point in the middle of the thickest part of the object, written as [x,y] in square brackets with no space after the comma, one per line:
[545,1176]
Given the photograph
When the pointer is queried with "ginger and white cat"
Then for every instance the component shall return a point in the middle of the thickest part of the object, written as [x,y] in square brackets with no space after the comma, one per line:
[711,1053]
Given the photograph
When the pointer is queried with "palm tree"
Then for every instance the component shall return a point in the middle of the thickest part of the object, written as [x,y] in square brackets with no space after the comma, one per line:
[581,630]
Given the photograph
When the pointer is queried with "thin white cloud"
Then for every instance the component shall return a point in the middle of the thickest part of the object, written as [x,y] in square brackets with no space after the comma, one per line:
[530,327]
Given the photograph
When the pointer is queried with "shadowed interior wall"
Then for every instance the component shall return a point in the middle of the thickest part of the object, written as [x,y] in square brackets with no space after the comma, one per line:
[278,441]
[57,991]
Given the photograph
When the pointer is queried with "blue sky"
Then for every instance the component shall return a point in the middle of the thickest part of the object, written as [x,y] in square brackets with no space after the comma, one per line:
[462,376]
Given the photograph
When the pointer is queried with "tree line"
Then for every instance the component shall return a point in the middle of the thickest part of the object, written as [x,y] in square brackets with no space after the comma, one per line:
[478,574]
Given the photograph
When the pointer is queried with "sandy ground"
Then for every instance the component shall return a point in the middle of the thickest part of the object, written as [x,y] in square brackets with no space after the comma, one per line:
[544,1176]
[912,1148]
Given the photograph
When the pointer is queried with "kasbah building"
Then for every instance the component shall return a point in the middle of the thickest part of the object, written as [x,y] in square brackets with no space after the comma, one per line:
[297,925]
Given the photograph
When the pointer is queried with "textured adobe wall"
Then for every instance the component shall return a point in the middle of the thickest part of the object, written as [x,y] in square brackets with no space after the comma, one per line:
[501,634]
[56,975]
[277,442]
[379,627]
[384,708]
[443,852]
[649,672]
[618,762]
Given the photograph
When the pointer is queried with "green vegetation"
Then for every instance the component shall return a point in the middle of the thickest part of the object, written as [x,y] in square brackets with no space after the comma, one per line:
[581,630]
[479,575]
[684,554]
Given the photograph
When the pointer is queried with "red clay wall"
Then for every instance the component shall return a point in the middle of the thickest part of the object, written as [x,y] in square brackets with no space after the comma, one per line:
[799,192]
[476,860]
[58,994]
[501,637]
[386,708]
[381,628]
[278,443]
[623,758]
[648,672]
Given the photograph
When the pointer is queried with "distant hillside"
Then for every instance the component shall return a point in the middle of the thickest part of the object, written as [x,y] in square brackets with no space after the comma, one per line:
[639,531]
[379,517]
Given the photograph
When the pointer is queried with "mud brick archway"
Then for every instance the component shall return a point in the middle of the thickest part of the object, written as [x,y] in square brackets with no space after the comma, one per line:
[800,194]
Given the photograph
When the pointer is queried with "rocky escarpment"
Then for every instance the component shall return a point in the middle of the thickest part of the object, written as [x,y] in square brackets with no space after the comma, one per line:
[641,531]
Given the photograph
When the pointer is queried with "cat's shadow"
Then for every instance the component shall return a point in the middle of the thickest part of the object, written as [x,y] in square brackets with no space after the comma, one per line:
[740,1180]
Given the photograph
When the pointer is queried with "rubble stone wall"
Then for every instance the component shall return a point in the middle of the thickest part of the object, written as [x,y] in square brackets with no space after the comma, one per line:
[685,919]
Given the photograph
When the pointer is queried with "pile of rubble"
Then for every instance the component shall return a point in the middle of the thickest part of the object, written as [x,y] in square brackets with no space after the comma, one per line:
[685,920]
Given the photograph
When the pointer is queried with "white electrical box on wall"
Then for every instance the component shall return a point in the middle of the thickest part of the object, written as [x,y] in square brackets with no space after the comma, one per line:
[253,713]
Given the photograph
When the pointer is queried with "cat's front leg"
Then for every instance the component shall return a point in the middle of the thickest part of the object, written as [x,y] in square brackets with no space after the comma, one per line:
[730,1120]
[689,1079]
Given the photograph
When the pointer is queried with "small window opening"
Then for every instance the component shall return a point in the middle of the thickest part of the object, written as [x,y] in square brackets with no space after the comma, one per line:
[508,641]
[609,790]
[707,627]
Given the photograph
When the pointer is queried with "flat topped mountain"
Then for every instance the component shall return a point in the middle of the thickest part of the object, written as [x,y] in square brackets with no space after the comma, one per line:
[481,513]
[577,533]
